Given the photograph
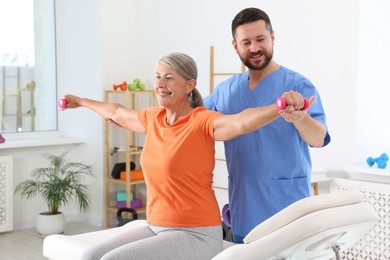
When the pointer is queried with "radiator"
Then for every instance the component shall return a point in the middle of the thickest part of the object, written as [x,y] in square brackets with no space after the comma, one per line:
[376,242]
[6,194]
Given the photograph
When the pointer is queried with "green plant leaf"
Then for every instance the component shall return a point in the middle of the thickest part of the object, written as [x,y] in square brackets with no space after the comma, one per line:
[58,184]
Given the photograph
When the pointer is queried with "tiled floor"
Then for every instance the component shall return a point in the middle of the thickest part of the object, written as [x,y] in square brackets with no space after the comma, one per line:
[27,244]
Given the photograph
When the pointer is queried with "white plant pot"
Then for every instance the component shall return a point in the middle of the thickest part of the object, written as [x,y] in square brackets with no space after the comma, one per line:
[50,224]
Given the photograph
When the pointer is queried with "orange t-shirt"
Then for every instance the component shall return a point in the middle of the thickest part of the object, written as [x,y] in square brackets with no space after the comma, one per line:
[178,163]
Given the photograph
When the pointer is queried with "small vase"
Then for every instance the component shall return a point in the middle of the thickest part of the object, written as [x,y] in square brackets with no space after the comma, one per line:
[48,224]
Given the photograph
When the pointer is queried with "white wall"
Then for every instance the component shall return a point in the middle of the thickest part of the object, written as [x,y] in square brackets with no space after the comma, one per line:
[315,38]
[108,41]
[373,126]
[80,72]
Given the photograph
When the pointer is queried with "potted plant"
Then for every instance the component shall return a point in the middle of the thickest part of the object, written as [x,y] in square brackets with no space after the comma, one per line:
[57,185]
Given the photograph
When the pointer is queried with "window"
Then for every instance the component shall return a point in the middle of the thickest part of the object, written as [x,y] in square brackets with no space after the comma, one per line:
[28,84]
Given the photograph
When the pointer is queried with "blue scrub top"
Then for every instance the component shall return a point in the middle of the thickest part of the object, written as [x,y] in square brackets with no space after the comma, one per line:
[269,168]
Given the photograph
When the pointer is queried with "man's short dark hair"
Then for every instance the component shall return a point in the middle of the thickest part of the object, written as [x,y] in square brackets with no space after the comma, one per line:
[250,15]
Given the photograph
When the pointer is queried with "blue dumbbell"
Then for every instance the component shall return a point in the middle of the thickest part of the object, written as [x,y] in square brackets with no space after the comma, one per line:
[381,161]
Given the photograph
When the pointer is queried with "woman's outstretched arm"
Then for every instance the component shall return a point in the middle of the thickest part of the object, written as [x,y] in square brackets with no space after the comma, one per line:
[227,127]
[111,112]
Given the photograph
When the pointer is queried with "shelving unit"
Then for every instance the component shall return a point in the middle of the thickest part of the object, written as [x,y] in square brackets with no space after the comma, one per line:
[131,144]
[214,74]
[17,103]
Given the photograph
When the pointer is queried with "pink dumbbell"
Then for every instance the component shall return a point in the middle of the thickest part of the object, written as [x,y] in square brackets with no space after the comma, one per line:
[62,103]
[281,103]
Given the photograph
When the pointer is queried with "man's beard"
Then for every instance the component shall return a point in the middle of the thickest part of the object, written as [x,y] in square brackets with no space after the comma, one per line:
[258,66]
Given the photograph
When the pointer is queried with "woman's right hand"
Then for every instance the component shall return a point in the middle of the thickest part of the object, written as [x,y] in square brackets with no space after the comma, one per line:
[68,102]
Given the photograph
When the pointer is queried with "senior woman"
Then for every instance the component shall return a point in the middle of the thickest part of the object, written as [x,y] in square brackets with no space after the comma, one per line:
[183,216]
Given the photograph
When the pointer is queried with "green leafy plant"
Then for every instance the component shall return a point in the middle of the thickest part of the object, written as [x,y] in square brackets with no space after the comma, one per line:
[58,184]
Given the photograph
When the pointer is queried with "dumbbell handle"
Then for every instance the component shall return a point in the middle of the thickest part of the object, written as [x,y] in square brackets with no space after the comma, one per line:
[62,103]
[281,103]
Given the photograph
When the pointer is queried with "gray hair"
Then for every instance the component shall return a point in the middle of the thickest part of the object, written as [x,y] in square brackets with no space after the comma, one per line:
[186,67]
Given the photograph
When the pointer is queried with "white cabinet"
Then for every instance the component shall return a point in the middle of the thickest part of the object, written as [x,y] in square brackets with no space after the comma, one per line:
[6,193]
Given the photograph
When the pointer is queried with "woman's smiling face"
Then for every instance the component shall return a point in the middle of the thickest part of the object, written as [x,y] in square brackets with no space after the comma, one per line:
[170,87]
